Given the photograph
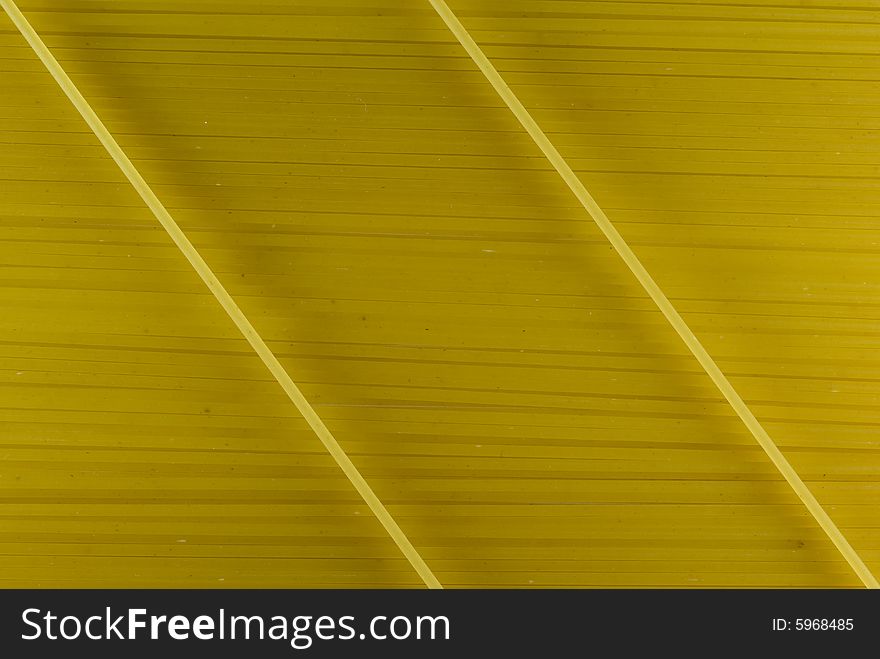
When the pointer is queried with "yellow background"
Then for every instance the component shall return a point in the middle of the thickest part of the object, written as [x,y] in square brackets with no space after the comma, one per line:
[486,359]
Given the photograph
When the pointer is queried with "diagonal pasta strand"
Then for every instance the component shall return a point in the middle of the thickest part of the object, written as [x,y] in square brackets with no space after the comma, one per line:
[235,314]
[656,294]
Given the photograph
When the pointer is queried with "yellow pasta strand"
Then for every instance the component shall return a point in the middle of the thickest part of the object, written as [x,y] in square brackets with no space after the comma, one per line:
[223,297]
[657,295]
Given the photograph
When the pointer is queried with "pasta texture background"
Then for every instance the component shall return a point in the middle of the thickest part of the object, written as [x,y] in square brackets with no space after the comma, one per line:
[491,367]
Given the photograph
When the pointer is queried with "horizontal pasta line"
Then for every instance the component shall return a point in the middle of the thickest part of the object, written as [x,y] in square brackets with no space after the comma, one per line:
[468,168]
[678,48]
[547,408]
[797,14]
[592,509]
[391,88]
[592,153]
[524,167]
[449,405]
[444,43]
[399,55]
[547,351]
[790,214]
[520,164]
[104,346]
[636,108]
[768,509]
[202,51]
[434,129]
[497,240]
[544,577]
[413,69]
[517,409]
[695,399]
[398,454]
[78,448]
[402,141]
[464,303]
[402,55]
[593,425]
[791,15]
[606,567]
[792,225]
[459,406]
[426,361]
[482,562]
[280,343]
[505,219]
[211,540]
[479,469]
[623,60]
[200,497]
[759,5]
[234,37]
[800,249]
[147,412]
[489,443]
[302,179]
[302,13]
[617,24]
